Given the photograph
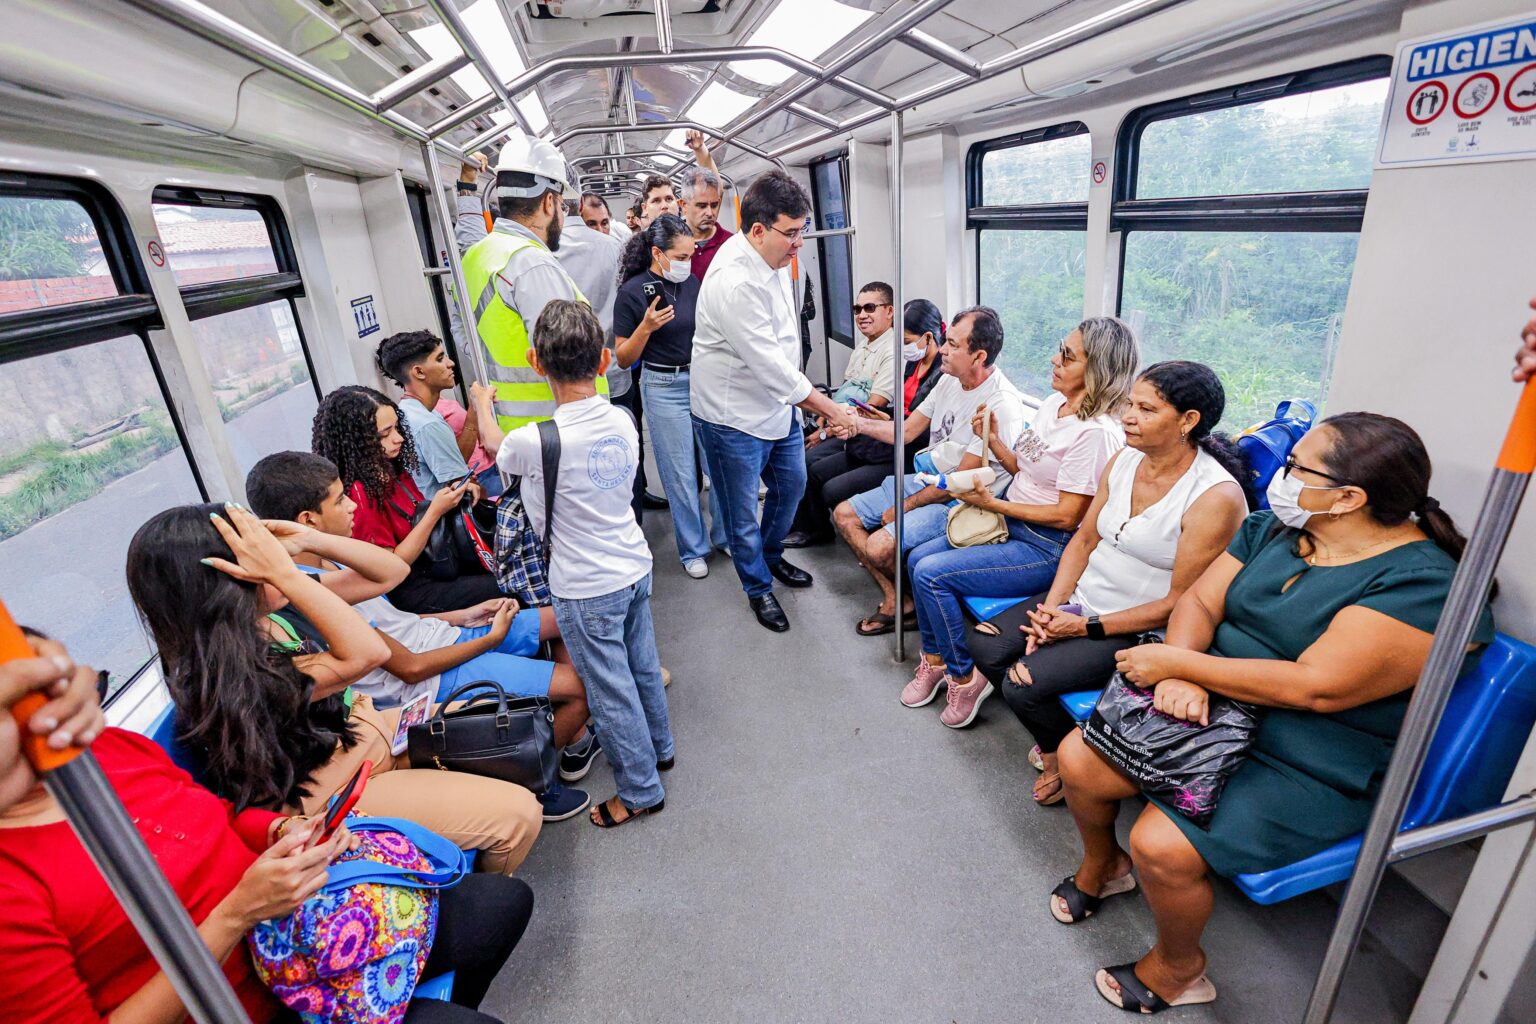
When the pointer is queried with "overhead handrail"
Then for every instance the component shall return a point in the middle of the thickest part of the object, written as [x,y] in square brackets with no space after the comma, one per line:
[448,14]
[1382,842]
[424,77]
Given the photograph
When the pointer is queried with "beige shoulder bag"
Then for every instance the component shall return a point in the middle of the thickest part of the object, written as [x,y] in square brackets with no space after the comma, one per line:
[969,526]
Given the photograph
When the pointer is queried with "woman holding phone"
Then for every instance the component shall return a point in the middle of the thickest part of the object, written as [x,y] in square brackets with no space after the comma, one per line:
[83,960]
[653,326]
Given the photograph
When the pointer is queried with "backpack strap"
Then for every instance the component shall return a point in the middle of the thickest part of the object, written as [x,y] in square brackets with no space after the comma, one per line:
[549,455]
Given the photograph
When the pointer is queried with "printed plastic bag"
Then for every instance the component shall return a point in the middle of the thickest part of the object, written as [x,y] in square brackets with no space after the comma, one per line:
[1183,764]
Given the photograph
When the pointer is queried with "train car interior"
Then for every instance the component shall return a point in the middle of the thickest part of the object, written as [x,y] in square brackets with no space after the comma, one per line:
[213,211]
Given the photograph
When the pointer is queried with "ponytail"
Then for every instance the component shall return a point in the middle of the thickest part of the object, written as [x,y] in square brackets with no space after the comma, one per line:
[1232,459]
[1437,523]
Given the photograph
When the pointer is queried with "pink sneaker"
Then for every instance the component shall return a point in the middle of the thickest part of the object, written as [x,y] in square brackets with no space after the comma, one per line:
[924,686]
[964,700]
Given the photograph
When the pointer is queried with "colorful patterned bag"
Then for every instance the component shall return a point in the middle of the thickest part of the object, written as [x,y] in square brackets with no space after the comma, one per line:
[354,951]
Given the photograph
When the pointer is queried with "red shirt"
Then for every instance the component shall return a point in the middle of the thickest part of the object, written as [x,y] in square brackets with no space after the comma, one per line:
[704,254]
[70,954]
[388,524]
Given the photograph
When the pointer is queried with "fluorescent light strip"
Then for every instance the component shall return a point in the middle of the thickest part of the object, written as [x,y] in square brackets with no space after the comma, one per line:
[805,28]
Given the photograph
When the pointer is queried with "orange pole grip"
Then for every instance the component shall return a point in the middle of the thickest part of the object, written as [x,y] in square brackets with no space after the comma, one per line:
[490,222]
[794,267]
[14,647]
[1519,452]
[736,199]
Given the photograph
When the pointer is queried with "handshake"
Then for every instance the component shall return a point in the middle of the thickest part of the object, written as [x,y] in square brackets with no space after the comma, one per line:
[843,422]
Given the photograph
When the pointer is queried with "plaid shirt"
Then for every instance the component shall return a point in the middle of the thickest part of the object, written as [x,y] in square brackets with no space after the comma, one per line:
[519,552]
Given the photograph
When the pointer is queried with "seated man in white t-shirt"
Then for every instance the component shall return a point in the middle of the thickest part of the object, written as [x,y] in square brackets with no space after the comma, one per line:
[972,382]
[598,563]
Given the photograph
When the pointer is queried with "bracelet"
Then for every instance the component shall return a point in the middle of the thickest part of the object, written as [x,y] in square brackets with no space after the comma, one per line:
[282,827]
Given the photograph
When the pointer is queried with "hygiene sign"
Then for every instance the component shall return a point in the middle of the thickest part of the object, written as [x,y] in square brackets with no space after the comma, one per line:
[1463,96]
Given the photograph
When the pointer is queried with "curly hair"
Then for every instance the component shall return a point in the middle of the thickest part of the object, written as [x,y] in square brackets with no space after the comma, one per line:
[345,432]
[664,230]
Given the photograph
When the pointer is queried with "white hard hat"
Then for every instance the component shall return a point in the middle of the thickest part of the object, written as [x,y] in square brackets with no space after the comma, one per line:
[526,155]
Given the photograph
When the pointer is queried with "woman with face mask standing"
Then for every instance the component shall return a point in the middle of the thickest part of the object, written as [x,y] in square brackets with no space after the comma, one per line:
[653,326]
[1321,613]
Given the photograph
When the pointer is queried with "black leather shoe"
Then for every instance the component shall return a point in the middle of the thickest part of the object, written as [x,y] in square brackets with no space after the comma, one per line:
[653,501]
[790,575]
[769,614]
[804,539]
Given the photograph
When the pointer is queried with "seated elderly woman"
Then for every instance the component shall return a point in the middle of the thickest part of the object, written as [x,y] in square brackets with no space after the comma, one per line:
[1321,612]
[1055,464]
[84,961]
[1168,504]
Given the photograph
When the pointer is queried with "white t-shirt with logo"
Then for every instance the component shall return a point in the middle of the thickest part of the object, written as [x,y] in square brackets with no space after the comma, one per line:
[1062,453]
[949,408]
[598,546]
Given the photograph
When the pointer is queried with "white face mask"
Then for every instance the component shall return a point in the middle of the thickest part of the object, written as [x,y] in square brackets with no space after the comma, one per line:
[677,271]
[911,352]
[1284,493]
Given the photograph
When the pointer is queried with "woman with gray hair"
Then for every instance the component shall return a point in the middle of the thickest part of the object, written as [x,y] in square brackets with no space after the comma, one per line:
[1056,464]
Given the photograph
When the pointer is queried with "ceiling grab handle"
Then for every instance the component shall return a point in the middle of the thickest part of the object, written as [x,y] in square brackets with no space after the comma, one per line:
[1458,620]
[75,779]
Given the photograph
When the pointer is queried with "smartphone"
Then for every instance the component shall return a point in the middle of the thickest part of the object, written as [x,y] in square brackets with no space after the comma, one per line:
[650,290]
[412,712]
[341,804]
[866,407]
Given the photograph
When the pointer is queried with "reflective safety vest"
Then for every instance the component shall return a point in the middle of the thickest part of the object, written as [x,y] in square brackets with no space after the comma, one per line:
[522,396]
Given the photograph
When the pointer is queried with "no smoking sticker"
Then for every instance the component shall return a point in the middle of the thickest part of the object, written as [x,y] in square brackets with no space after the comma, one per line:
[156,254]
[1100,172]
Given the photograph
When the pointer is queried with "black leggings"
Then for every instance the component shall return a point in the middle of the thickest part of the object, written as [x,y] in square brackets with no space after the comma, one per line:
[1065,666]
[479,922]
[423,595]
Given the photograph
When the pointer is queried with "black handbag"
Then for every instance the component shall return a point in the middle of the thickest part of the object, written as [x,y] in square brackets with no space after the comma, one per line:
[461,544]
[506,738]
[1184,764]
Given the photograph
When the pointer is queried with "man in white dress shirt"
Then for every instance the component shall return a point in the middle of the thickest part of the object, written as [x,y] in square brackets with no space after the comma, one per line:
[746,384]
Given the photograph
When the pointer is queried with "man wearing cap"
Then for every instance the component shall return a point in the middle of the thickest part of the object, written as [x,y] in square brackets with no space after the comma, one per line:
[512,274]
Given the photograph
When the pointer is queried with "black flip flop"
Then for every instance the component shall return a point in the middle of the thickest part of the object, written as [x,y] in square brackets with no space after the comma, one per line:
[1080,905]
[887,624]
[609,821]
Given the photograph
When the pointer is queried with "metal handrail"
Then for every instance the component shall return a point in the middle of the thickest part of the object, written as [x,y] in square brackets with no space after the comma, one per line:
[448,14]
[898,407]
[424,77]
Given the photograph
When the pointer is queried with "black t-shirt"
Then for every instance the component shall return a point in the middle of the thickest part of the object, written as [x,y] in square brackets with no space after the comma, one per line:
[673,344]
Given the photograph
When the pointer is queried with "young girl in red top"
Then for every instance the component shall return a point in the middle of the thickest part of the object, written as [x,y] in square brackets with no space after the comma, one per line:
[361,431]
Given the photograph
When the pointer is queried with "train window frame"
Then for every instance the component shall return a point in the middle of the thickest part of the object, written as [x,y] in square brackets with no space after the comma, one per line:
[133,312]
[418,202]
[1023,217]
[845,242]
[1325,211]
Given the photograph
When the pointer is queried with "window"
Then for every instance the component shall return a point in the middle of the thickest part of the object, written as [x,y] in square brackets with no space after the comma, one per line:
[1028,199]
[238,279]
[90,446]
[1241,212]
[829,195]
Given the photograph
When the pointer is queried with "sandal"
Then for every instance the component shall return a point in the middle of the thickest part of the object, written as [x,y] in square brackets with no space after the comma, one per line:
[1080,905]
[1055,796]
[1137,998]
[1036,760]
[879,624]
[604,816]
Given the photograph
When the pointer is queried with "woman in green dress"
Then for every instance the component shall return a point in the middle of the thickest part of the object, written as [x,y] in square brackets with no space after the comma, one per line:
[1321,612]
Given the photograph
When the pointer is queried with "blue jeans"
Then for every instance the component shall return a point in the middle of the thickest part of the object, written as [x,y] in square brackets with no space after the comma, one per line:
[1023,564]
[613,646]
[737,461]
[679,453]
[917,527]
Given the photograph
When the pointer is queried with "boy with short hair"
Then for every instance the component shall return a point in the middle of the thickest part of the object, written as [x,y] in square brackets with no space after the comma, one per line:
[599,566]
[418,362]
[435,653]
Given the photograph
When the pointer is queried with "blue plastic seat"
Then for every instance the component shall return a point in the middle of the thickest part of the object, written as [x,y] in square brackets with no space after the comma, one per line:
[1480,738]
[983,608]
[1080,704]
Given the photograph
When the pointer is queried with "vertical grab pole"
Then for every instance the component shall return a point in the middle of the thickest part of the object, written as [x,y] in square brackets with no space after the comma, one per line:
[76,781]
[1469,590]
[445,216]
[898,407]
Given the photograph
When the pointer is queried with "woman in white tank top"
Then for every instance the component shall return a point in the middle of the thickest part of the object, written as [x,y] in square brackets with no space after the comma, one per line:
[1168,504]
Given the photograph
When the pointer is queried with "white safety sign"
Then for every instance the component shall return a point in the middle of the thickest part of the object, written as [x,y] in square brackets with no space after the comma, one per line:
[365,316]
[1463,96]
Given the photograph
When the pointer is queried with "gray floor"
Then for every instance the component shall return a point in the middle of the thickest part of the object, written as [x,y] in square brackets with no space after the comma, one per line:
[827,854]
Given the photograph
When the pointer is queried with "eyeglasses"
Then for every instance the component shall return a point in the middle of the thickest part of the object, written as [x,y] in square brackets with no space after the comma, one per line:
[1066,354]
[1291,463]
[795,235]
[869,307]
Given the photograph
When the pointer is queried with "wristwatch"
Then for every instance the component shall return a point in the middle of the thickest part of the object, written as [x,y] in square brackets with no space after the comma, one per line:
[1095,628]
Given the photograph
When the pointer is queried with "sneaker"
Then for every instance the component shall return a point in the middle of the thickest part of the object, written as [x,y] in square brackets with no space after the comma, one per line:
[964,700]
[576,759]
[696,568]
[563,802]
[924,686]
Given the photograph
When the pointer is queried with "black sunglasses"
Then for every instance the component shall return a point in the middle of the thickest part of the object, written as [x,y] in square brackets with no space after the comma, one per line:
[868,307]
